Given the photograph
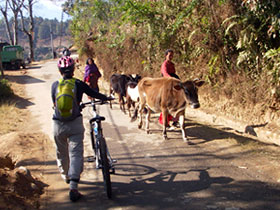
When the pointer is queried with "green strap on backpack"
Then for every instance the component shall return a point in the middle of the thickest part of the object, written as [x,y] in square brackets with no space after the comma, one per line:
[65,97]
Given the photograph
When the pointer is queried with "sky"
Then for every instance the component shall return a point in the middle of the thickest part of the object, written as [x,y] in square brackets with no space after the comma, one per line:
[49,9]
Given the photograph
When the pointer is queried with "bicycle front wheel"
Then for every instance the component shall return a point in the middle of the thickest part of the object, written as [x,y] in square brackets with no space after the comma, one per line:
[105,167]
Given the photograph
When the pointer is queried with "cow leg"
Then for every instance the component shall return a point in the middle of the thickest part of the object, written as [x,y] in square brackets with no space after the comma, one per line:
[110,104]
[112,95]
[141,113]
[129,103]
[122,104]
[148,121]
[182,126]
[132,104]
[120,101]
[129,113]
[134,117]
[164,124]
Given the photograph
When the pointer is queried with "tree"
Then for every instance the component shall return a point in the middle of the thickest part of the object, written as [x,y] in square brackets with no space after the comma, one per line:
[15,6]
[4,11]
[29,32]
[44,30]
[68,6]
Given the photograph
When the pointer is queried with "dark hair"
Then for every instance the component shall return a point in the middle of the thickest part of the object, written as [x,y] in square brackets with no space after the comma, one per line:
[88,60]
[168,51]
[66,52]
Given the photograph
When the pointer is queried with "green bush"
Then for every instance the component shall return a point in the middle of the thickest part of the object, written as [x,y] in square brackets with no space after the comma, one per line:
[5,89]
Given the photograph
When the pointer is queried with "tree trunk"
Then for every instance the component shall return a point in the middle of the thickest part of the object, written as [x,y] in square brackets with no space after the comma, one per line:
[15,6]
[8,30]
[29,32]
[5,15]
[15,29]
[31,45]
[31,28]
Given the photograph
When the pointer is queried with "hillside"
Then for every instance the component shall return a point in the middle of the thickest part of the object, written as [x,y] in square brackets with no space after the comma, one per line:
[232,45]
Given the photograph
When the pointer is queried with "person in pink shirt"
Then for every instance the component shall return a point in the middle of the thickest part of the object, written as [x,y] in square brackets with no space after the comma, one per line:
[168,70]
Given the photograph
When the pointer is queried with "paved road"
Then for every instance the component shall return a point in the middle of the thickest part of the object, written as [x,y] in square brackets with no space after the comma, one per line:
[214,173]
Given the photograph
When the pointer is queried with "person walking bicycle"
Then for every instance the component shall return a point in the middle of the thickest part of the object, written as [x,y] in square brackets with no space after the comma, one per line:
[68,129]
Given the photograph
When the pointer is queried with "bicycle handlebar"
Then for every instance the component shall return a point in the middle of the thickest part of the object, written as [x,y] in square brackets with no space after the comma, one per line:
[94,102]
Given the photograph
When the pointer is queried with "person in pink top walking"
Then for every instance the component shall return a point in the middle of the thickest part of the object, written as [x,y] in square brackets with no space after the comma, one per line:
[168,70]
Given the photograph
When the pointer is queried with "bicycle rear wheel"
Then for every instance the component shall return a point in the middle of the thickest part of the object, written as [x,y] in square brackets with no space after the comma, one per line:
[105,167]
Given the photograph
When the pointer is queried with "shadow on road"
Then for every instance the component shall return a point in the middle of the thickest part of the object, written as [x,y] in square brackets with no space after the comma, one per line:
[163,190]
[22,103]
[197,132]
[23,79]
[34,67]
[206,133]
[34,162]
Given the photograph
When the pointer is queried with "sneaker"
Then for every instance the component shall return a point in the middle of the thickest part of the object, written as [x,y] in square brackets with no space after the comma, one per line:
[170,128]
[65,178]
[74,195]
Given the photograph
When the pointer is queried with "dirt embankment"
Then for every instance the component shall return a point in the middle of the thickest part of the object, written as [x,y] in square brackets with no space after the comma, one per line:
[22,144]
[19,189]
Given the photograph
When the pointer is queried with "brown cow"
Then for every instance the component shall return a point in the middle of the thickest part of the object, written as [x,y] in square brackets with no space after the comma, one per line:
[169,96]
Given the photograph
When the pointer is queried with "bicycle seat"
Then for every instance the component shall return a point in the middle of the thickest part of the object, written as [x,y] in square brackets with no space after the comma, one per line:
[97,119]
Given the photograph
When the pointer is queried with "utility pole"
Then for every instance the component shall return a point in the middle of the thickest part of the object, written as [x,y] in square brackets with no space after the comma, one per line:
[61,28]
[53,53]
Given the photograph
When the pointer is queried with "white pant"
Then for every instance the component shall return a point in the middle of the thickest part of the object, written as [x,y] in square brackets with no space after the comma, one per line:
[69,138]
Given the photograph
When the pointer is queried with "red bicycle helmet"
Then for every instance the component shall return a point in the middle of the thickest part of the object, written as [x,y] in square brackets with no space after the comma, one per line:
[65,62]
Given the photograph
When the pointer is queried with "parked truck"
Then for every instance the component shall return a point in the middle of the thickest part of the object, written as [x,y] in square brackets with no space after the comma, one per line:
[12,57]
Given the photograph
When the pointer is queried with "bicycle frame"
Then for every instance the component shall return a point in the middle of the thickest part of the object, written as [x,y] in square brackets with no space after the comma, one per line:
[103,159]
[96,133]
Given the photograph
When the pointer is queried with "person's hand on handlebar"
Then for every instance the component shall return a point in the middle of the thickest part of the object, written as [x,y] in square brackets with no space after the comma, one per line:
[109,98]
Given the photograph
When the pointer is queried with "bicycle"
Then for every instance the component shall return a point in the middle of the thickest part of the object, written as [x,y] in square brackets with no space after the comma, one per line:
[102,157]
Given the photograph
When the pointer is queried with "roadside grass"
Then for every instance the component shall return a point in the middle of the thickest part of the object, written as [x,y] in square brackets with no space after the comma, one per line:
[10,117]
[5,89]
